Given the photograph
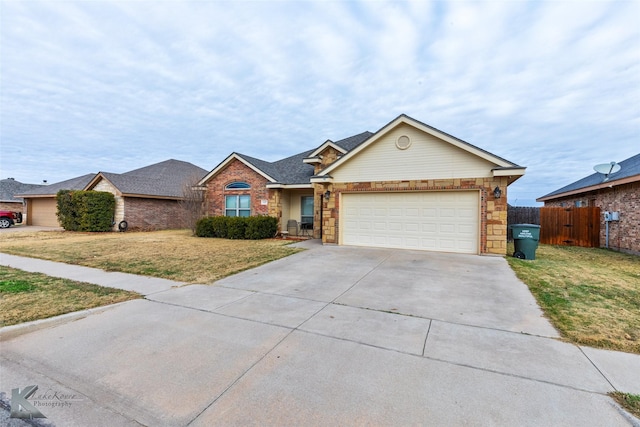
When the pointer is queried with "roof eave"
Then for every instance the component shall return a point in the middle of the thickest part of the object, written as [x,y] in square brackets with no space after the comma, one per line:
[605,184]
[508,171]
[35,196]
[512,173]
[321,179]
[152,196]
[279,185]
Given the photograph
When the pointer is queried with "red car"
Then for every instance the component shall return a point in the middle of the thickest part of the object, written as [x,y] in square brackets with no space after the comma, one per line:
[8,218]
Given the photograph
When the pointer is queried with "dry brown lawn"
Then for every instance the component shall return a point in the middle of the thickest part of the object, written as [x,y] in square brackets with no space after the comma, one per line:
[170,254]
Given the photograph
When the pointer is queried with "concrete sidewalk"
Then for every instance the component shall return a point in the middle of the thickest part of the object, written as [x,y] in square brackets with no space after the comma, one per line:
[142,284]
[319,349]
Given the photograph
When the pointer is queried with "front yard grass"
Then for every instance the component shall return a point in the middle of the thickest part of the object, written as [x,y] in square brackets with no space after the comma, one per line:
[631,402]
[170,254]
[592,296]
[32,296]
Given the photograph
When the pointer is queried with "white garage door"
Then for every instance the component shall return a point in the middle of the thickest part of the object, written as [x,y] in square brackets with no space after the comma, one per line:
[435,221]
[43,212]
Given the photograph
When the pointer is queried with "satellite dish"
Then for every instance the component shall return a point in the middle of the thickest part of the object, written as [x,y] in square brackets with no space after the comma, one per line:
[607,169]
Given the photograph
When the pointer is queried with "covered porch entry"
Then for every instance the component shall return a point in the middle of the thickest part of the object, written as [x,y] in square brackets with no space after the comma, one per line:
[297,209]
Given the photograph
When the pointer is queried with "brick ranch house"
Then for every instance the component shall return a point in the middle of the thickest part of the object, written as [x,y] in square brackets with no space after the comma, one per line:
[147,198]
[408,185]
[619,192]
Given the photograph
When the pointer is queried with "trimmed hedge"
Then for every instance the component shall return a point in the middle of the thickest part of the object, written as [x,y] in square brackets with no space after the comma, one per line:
[86,210]
[245,228]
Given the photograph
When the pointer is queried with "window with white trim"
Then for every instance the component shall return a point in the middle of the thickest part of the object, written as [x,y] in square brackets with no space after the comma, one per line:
[237,205]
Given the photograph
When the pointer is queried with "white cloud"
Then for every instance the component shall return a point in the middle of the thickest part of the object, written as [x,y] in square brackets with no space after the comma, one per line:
[92,85]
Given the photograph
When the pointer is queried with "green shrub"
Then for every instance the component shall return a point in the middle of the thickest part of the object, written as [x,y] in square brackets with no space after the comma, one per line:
[236,226]
[261,227]
[86,210]
[67,212]
[225,227]
[220,226]
[204,227]
[98,210]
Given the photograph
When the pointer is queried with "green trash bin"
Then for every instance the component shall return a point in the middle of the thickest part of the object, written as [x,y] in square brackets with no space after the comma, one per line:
[525,240]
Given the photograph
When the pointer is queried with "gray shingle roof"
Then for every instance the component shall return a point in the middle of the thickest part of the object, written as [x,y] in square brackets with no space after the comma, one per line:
[77,183]
[628,168]
[292,170]
[10,187]
[164,179]
[353,141]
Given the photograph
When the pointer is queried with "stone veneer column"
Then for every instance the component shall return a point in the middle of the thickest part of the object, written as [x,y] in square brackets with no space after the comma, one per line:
[275,205]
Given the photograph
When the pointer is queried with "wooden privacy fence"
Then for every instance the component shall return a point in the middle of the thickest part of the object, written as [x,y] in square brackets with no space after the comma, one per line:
[521,215]
[570,226]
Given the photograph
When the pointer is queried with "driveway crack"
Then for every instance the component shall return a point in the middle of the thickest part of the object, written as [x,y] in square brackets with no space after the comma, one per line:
[424,347]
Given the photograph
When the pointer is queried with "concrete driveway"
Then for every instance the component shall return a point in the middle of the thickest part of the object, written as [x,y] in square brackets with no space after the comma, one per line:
[332,335]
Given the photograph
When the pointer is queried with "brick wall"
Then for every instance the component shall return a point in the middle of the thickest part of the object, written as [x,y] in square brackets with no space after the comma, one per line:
[153,214]
[13,207]
[493,212]
[236,171]
[624,234]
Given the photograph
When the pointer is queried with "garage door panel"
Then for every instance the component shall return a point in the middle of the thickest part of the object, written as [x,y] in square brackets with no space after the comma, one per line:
[380,226]
[429,227]
[379,240]
[438,221]
[412,242]
[430,212]
[394,242]
[43,212]
[466,228]
[429,244]
[412,227]
[447,229]
[395,226]
[350,224]
[466,213]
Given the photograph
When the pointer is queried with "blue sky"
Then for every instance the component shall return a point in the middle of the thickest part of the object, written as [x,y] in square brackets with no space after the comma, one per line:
[111,86]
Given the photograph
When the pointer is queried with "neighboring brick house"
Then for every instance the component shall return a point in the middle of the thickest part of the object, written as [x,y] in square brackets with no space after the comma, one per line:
[618,192]
[407,185]
[8,189]
[41,202]
[148,198]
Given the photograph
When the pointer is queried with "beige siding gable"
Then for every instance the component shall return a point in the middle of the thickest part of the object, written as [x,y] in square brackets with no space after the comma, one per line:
[104,185]
[427,157]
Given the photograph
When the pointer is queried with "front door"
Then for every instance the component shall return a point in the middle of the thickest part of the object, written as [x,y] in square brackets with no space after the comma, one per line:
[306,214]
